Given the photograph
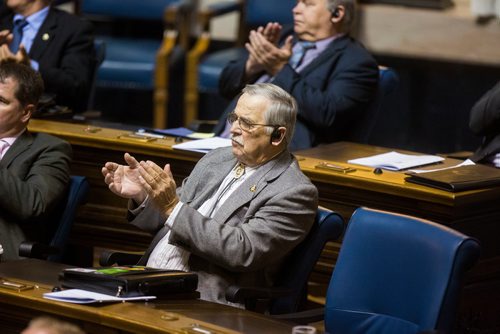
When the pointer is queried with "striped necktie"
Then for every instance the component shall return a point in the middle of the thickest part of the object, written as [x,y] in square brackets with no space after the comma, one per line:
[17,32]
[238,172]
[297,57]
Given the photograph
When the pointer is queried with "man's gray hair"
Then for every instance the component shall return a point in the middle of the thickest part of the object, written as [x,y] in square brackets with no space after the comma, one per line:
[283,108]
[349,14]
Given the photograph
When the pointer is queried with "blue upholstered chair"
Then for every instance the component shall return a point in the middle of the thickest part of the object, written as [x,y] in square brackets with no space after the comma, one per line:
[397,274]
[139,62]
[77,194]
[290,290]
[203,70]
[100,54]
[388,82]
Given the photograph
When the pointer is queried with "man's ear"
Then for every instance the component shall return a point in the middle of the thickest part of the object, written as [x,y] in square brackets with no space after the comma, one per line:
[278,136]
[28,110]
[338,14]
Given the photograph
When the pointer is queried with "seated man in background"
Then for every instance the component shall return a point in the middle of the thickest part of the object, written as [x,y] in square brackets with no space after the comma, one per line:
[57,44]
[485,121]
[332,77]
[34,168]
[241,210]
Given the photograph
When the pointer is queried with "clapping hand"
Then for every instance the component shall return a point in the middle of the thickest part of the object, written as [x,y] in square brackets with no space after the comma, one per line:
[5,37]
[265,54]
[124,180]
[160,186]
[21,56]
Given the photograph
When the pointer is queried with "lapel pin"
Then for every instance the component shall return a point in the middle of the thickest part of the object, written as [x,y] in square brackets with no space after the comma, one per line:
[45,37]
[253,188]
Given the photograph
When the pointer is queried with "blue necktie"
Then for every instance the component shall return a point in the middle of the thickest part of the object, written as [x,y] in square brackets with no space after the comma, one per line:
[297,57]
[17,31]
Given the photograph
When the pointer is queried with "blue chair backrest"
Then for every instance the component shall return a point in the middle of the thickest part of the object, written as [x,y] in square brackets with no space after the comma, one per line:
[388,81]
[77,193]
[127,9]
[100,54]
[397,274]
[260,12]
[328,226]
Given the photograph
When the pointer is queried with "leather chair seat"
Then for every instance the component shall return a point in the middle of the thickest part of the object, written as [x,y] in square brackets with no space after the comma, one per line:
[211,67]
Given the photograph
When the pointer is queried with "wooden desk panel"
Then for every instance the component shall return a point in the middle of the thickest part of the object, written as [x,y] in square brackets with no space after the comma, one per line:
[165,316]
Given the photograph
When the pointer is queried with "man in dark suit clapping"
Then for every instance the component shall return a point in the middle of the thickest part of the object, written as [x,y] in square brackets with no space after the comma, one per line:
[333,81]
[57,44]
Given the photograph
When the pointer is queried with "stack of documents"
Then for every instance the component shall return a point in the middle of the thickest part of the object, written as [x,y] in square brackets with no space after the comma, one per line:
[203,145]
[396,161]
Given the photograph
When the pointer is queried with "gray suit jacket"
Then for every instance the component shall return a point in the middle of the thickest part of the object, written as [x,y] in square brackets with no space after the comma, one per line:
[34,174]
[249,236]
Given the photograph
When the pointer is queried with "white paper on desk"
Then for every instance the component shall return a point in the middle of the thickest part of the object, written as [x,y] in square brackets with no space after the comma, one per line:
[203,145]
[77,296]
[421,171]
[396,161]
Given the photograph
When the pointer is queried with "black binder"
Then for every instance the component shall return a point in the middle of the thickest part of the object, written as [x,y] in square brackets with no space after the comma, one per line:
[459,178]
[131,281]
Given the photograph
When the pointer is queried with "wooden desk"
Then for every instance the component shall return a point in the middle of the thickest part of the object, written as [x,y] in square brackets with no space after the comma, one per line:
[474,212]
[101,222]
[167,316]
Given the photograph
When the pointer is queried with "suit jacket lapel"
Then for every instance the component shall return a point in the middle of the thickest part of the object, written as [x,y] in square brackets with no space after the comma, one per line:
[252,186]
[20,145]
[45,35]
[216,172]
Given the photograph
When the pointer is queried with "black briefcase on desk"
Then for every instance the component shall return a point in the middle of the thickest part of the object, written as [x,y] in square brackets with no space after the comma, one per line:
[132,281]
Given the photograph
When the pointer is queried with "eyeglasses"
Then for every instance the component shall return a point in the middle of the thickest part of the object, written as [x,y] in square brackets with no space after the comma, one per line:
[244,124]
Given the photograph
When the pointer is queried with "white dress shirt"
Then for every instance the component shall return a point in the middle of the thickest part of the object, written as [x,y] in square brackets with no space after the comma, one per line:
[168,256]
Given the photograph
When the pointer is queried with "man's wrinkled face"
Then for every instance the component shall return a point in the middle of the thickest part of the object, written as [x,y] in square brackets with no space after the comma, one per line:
[312,20]
[251,146]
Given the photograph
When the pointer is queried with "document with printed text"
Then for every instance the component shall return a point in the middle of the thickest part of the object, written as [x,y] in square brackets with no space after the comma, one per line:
[396,161]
